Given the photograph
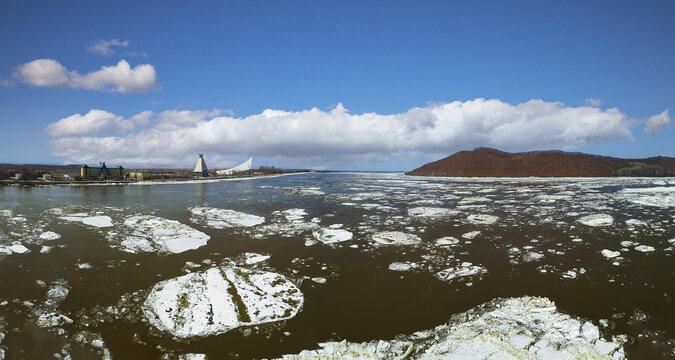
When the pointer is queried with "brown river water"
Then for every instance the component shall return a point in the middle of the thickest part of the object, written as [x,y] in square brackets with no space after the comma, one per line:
[374,257]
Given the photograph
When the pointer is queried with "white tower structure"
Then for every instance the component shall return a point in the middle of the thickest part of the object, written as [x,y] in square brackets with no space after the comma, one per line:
[200,168]
[245,166]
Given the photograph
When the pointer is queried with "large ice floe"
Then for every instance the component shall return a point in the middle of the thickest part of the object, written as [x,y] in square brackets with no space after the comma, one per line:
[465,272]
[515,328]
[134,233]
[223,218]
[660,196]
[147,233]
[220,299]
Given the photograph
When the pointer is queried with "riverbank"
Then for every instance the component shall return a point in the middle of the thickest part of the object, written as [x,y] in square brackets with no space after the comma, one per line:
[141,182]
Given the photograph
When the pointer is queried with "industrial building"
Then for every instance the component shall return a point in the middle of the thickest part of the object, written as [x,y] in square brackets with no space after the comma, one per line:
[102,172]
[200,168]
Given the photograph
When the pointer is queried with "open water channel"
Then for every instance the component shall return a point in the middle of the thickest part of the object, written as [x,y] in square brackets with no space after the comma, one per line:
[354,264]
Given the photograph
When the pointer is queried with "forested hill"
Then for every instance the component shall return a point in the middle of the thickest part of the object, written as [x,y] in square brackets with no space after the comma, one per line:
[486,162]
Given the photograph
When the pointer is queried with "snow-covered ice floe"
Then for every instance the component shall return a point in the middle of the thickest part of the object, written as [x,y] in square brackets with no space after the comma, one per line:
[332,236]
[50,235]
[515,328]
[220,299]
[396,238]
[223,218]
[147,233]
[597,220]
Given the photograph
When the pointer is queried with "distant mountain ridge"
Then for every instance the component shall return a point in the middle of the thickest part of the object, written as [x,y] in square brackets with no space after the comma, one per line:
[487,162]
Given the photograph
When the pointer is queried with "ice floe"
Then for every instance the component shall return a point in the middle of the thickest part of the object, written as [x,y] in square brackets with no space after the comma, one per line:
[609,253]
[425,211]
[223,218]
[395,238]
[220,299]
[465,272]
[403,266]
[447,241]
[332,236]
[99,221]
[147,233]
[50,235]
[644,248]
[516,328]
[597,220]
[482,219]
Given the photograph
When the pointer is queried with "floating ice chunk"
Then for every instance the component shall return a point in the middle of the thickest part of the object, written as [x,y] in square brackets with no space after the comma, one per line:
[482,219]
[609,253]
[644,248]
[6,213]
[45,249]
[447,241]
[52,320]
[18,249]
[470,235]
[332,236]
[627,243]
[403,266]
[500,329]
[590,332]
[597,220]
[396,238]
[532,256]
[635,222]
[253,258]
[156,234]
[100,221]
[569,274]
[319,280]
[424,211]
[50,235]
[83,266]
[661,196]
[466,270]
[223,218]
[220,299]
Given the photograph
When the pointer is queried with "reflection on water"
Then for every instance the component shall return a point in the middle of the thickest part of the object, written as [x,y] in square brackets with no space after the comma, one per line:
[475,240]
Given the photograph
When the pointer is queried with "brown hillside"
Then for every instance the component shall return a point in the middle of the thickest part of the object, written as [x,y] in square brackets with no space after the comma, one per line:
[484,162]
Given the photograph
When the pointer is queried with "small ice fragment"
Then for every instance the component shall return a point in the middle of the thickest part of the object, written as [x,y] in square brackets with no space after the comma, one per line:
[319,280]
[253,258]
[609,253]
[482,219]
[49,235]
[597,220]
[52,320]
[395,238]
[447,241]
[402,266]
[331,236]
[470,235]
[18,249]
[83,266]
[644,248]
[532,256]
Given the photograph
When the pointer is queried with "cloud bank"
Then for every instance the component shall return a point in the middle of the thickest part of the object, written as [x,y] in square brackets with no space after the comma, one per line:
[120,78]
[657,122]
[316,138]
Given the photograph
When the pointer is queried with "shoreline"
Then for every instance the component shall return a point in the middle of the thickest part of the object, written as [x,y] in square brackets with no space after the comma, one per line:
[143,183]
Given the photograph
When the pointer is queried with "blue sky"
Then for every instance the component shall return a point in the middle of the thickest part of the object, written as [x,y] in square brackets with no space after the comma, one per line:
[394,84]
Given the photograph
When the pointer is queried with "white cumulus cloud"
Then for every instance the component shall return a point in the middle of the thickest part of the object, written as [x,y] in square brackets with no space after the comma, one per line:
[42,72]
[657,122]
[316,138]
[94,122]
[118,78]
[105,47]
